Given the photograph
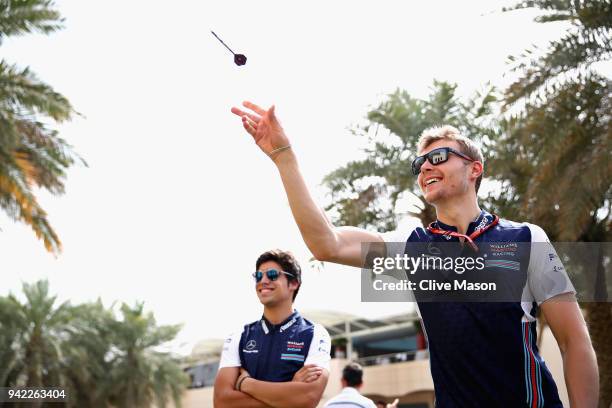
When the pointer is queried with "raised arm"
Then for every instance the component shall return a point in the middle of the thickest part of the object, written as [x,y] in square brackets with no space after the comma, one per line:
[579,362]
[225,396]
[326,242]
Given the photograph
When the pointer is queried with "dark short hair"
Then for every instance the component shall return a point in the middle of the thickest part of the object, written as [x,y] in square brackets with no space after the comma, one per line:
[352,374]
[287,262]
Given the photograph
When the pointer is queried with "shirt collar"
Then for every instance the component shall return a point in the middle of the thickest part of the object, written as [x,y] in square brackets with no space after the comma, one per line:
[282,326]
[483,219]
[350,390]
[445,227]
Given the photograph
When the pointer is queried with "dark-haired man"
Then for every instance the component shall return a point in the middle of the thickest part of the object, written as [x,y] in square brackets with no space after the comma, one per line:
[350,397]
[481,354]
[281,360]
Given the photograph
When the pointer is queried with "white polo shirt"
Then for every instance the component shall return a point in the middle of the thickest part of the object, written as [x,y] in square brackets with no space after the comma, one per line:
[349,397]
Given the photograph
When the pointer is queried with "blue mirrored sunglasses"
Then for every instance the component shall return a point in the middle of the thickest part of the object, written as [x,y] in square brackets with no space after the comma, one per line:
[272,275]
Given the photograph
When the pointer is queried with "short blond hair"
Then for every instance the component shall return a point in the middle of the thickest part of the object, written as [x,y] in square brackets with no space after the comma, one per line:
[447,132]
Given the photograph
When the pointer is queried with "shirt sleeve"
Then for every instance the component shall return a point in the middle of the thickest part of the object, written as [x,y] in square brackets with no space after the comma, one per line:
[546,275]
[395,241]
[320,348]
[395,245]
[230,357]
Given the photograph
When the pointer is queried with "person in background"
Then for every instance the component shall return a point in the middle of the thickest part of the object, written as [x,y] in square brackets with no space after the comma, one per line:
[350,397]
[352,381]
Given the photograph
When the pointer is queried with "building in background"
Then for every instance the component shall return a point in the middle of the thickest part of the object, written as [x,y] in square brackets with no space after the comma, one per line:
[203,363]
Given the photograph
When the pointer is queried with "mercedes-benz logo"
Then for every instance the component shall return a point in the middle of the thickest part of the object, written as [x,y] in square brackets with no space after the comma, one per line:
[251,345]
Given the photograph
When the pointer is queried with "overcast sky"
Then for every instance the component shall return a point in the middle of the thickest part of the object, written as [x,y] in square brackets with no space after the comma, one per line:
[177,201]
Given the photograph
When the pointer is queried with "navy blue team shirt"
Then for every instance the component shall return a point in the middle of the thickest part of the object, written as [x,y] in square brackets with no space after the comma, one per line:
[275,353]
[484,354]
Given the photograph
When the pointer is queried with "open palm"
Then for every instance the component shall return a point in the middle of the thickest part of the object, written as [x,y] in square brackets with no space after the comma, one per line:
[263,126]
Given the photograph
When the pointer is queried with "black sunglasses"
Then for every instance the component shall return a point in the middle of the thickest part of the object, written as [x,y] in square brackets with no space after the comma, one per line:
[272,274]
[435,157]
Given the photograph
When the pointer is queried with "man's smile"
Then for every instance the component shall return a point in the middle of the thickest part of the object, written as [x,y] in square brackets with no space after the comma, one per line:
[265,290]
[430,181]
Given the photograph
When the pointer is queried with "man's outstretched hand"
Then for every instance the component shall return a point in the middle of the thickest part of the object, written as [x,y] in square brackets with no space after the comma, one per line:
[264,127]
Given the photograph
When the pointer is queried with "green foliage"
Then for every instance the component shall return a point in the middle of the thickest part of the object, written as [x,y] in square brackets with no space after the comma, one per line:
[141,373]
[18,17]
[31,154]
[100,360]
[38,326]
[561,140]
[365,192]
[555,157]
[568,59]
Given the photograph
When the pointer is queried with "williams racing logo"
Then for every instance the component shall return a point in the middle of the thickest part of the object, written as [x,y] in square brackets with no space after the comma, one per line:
[505,249]
[295,346]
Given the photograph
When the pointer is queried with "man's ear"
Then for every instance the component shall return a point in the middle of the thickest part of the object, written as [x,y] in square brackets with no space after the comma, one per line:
[477,168]
[293,284]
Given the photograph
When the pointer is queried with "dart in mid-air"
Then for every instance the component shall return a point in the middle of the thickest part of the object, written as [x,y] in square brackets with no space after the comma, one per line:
[239,59]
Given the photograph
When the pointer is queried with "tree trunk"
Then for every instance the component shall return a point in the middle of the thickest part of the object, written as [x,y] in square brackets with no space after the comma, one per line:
[599,320]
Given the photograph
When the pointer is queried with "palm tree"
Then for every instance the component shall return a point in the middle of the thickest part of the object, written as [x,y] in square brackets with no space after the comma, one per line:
[39,327]
[559,139]
[100,361]
[86,356]
[31,154]
[566,117]
[142,374]
[12,327]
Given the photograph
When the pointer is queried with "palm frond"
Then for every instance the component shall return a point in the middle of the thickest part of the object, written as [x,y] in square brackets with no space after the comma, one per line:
[22,93]
[18,17]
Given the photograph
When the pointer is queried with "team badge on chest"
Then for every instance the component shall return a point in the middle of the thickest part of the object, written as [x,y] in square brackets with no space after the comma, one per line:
[293,351]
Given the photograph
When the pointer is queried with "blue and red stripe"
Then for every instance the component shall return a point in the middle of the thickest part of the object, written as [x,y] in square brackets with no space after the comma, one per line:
[533,375]
[293,357]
